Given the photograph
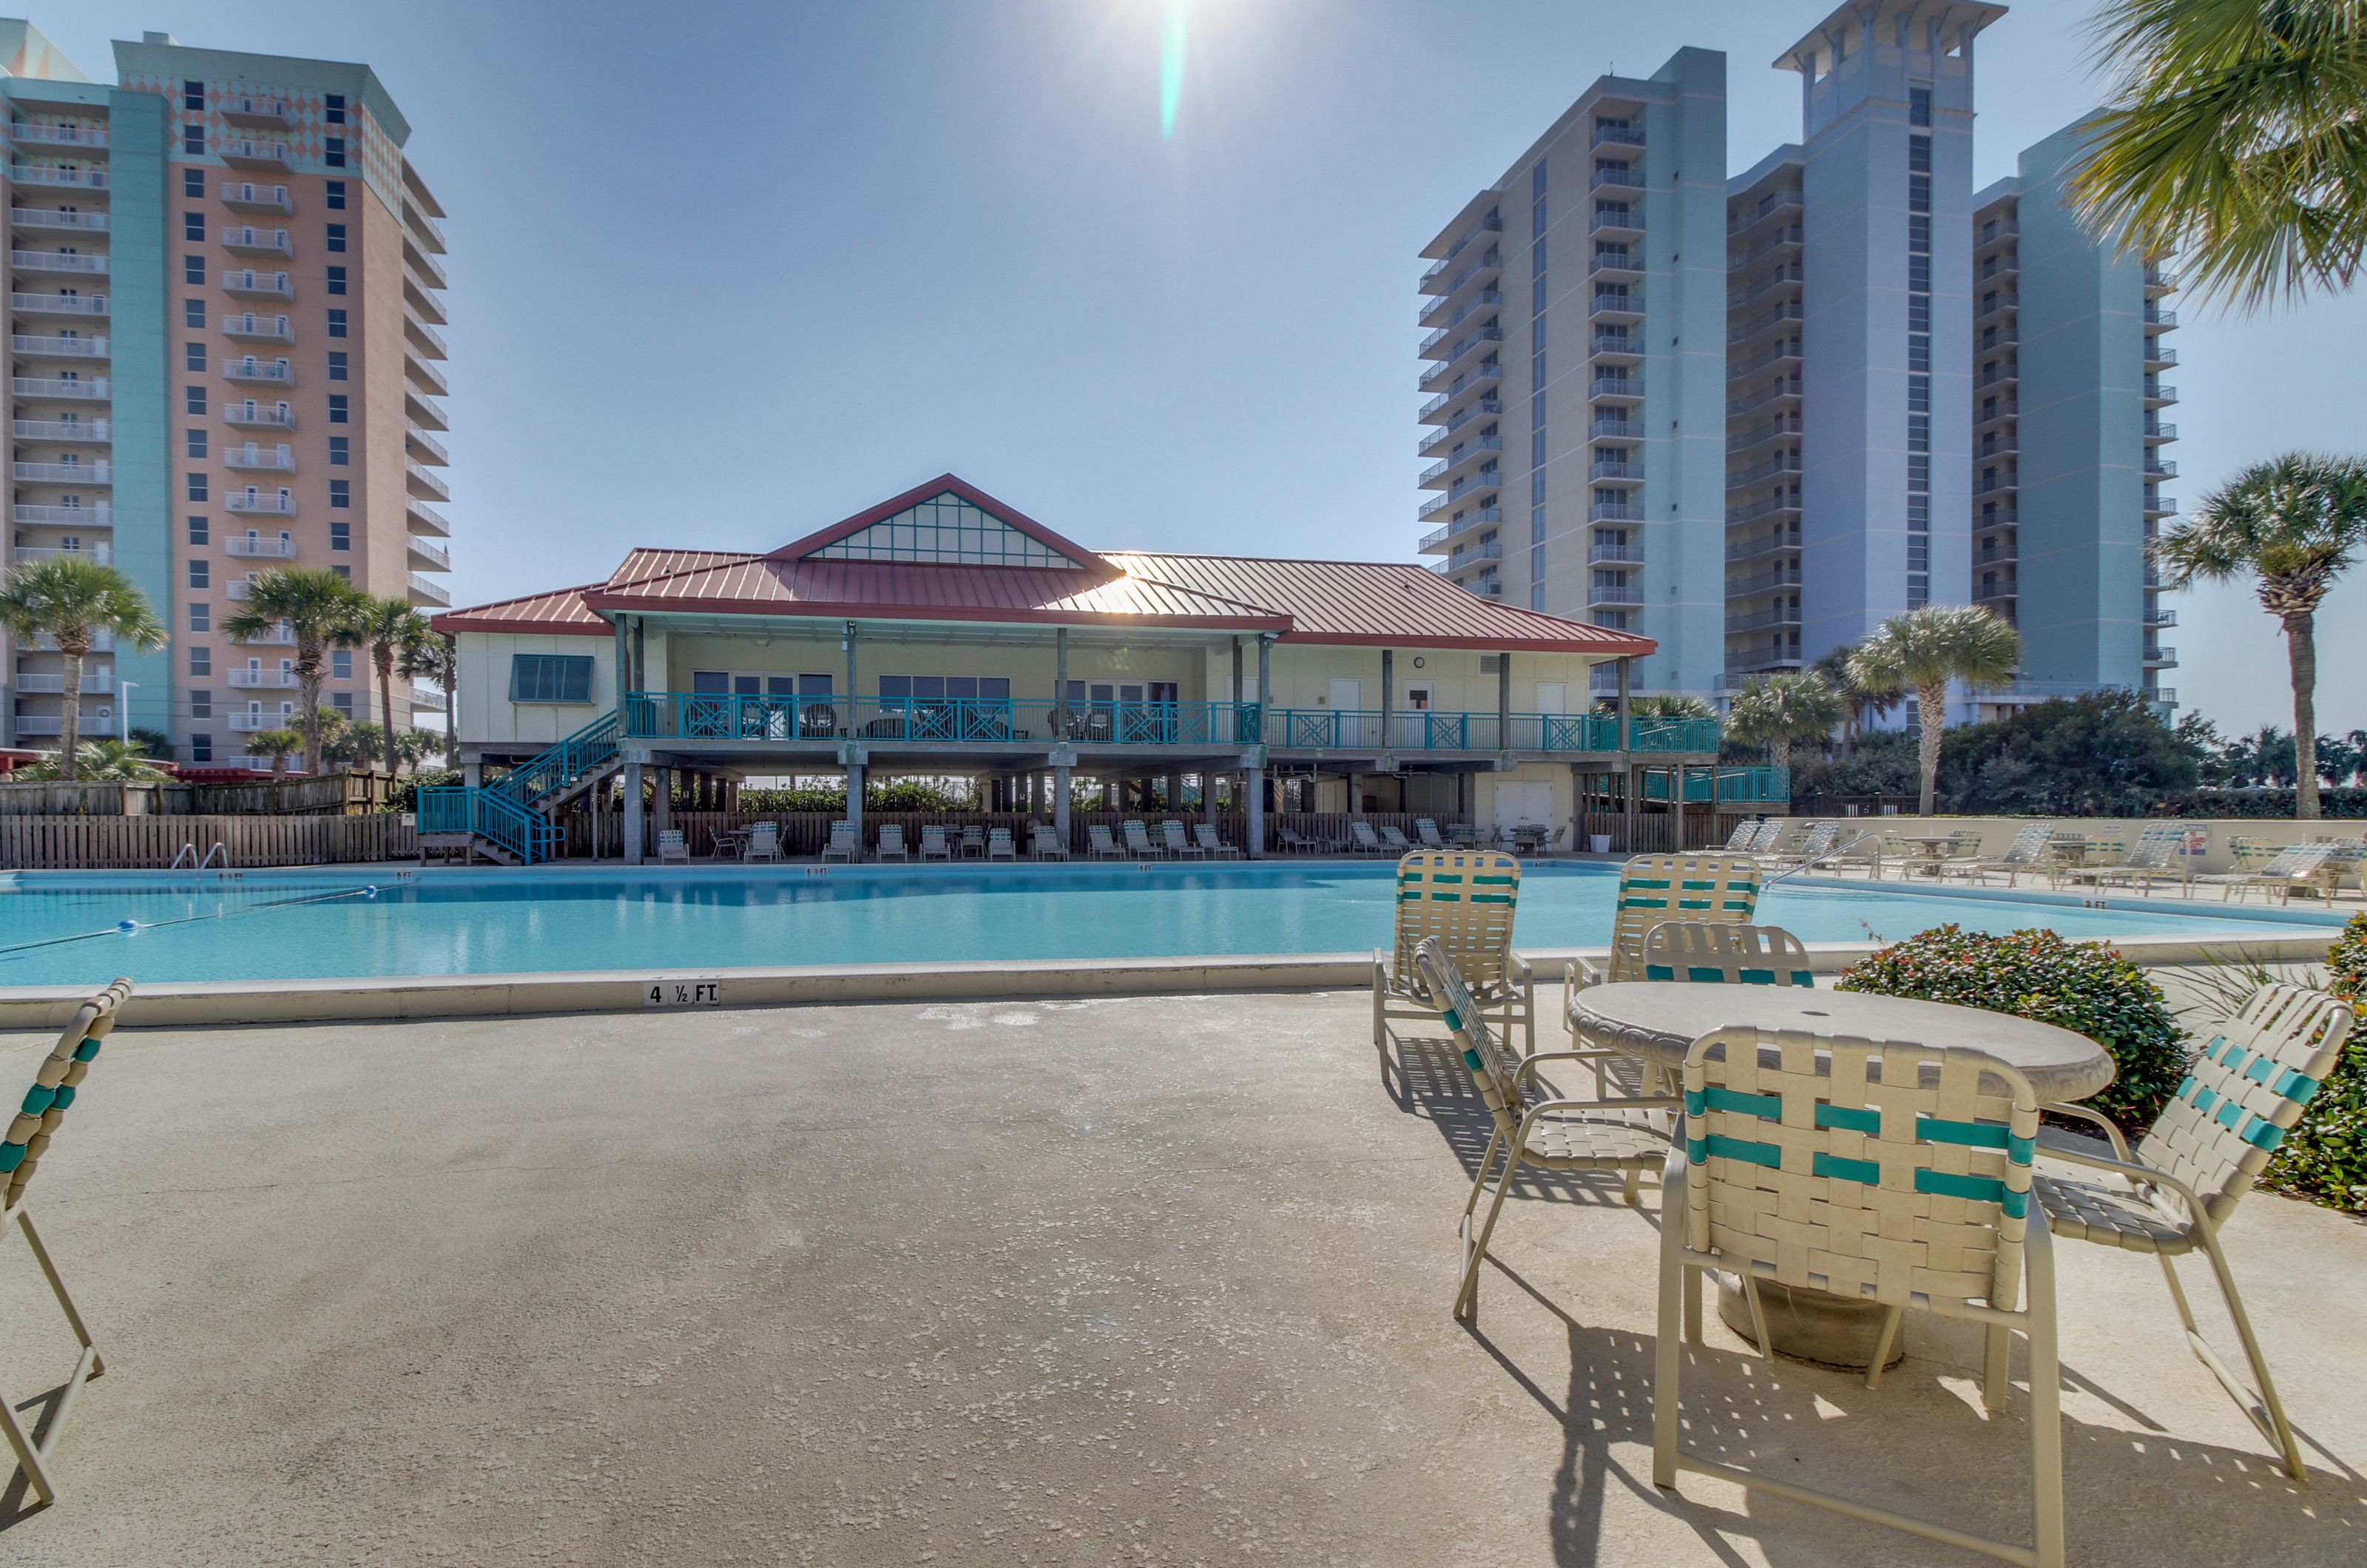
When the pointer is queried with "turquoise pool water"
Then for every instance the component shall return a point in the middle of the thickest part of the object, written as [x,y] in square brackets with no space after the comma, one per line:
[61,928]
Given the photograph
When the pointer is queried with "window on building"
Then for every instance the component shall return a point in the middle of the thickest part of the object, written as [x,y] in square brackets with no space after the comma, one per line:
[341,492]
[340,451]
[333,152]
[200,530]
[193,184]
[1918,106]
[341,664]
[201,748]
[192,314]
[336,199]
[197,486]
[332,107]
[193,96]
[196,442]
[345,572]
[200,574]
[193,141]
[555,678]
[194,400]
[201,703]
[193,228]
[193,356]
[337,414]
[336,324]
[341,536]
[336,237]
[337,364]
[202,660]
[193,270]
[202,618]
[337,281]
[344,702]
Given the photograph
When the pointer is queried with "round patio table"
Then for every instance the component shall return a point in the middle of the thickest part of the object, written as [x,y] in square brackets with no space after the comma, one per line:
[1658,1020]
[1935,848]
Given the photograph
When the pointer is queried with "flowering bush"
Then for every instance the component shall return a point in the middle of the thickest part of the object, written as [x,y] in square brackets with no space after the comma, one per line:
[2325,1156]
[2083,987]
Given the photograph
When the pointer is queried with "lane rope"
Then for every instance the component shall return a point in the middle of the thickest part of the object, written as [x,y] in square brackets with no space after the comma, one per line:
[133,927]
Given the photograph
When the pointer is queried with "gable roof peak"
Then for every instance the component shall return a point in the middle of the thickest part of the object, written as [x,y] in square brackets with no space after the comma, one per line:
[1065,554]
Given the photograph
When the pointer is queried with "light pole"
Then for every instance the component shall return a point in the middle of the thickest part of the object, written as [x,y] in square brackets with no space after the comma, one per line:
[123,710]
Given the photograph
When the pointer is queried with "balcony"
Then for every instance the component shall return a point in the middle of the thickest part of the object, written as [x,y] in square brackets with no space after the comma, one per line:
[64,473]
[251,546]
[2008,374]
[1471,451]
[55,178]
[259,503]
[234,590]
[426,448]
[252,416]
[1620,344]
[257,284]
[100,642]
[430,232]
[257,678]
[278,460]
[423,339]
[2161,506]
[2155,431]
[1613,512]
[94,432]
[31,723]
[427,591]
[58,348]
[280,635]
[248,721]
[2160,281]
[2157,396]
[2159,321]
[2161,658]
[1773,354]
[1762,582]
[1614,552]
[1990,484]
[427,556]
[1616,136]
[58,261]
[1493,223]
[1996,593]
[1998,302]
[1766,506]
[99,553]
[95,683]
[77,305]
[1780,463]
[254,328]
[2004,408]
[424,482]
[37,515]
[423,375]
[91,137]
[2158,358]
[1614,259]
[1611,220]
[1762,544]
[1487,299]
[1779,426]
[1616,595]
[1614,471]
[1616,179]
[1616,302]
[250,370]
[1615,429]
[245,197]
[1469,555]
[416,257]
[1485,373]
[2159,468]
[1998,554]
[1620,386]
[1764,657]
[250,241]
[69,222]
[1760,620]
[1439,440]
[64,387]
[427,697]
[423,300]
[1437,296]
[1783,277]
[2158,620]
[1486,480]
[244,152]
[2004,444]
[1435,539]
[1481,340]
[1775,315]
[1785,203]
[1789,387]
[1759,250]
[1999,229]
[255,110]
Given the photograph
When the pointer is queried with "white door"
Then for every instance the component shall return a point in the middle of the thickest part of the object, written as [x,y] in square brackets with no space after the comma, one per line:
[1525,805]
[1347,698]
[1553,696]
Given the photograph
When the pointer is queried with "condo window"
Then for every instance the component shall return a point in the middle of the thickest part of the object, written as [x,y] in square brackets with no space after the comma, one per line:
[201,748]
[201,532]
[340,451]
[344,702]
[193,269]
[336,237]
[337,409]
[333,152]
[202,660]
[193,355]
[336,198]
[341,664]
[1918,106]
[194,400]
[200,574]
[193,184]
[201,703]
[336,324]
[345,572]
[341,492]
[201,617]
[196,442]
[341,536]
[337,365]
[193,96]
[337,281]
[192,314]
[193,141]
[555,678]
[332,107]
[197,486]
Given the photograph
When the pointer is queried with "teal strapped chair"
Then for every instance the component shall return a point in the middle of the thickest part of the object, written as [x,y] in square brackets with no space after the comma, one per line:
[1880,1171]
[2242,1095]
[1624,1135]
[1702,953]
[1465,899]
[55,1084]
[1699,889]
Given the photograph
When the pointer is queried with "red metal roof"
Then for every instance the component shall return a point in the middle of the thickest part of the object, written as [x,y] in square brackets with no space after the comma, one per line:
[798,548]
[560,610]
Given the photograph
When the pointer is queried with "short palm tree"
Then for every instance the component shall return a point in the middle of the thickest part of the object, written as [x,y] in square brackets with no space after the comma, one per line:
[2236,135]
[2292,524]
[1671,705]
[435,657]
[277,744]
[387,627]
[317,607]
[101,761]
[1923,650]
[71,602]
[1776,710]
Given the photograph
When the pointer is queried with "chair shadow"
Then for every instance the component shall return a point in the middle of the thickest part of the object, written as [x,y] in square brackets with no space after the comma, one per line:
[1433,1083]
[2130,1495]
[17,1502]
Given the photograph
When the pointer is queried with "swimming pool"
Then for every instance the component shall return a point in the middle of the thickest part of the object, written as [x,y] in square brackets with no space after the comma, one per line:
[65,928]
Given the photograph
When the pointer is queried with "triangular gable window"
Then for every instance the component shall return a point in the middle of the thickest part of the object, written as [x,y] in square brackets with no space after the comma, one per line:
[945,530]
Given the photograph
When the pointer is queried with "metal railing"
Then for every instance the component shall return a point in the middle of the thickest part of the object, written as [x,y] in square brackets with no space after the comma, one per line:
[59,347]
[489,814]
[65,473]
[56,260]
[62,179]
[42,218]
[62,430]
[59,304]
[62,386]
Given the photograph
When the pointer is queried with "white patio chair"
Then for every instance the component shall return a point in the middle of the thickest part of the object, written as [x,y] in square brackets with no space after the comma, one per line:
[1393,838]
[2029,853]
[1177,844]
[1738,842]
[933,842]
[999,845]
[1211,845]
[2295,865]
[763,842]
[1363,839]
[891,845]
[673,846]
[1464,899]
[1138,839]
[1103,847]
[1426,829]
[844,843]
[1045,844]
[2159,854]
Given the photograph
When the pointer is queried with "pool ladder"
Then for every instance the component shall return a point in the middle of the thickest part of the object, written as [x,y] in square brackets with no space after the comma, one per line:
[197,865]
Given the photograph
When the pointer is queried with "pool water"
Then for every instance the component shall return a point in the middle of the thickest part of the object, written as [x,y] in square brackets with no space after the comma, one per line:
[63,929]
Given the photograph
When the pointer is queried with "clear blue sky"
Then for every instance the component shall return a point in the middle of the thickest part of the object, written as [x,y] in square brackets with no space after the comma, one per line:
[722,273]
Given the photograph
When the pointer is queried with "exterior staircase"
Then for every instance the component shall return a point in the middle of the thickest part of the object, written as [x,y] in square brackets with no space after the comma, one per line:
[510,821]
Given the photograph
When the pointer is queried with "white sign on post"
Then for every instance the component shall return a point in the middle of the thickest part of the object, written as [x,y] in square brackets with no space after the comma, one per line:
[682,994]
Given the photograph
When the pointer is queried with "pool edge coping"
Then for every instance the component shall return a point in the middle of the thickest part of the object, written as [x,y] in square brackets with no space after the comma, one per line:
[394,997]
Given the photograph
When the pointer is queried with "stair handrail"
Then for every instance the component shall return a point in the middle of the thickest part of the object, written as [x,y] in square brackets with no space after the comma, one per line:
[217,850]
[189,849]
[559,765]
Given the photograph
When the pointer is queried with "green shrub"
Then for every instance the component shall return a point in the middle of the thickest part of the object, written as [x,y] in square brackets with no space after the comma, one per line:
[2084,987]
[2325,1156]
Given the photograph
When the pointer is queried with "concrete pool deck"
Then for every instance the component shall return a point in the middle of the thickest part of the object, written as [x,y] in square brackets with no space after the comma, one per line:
[1082,1281]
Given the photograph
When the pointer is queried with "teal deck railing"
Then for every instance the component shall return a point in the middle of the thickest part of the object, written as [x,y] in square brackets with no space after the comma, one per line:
[1734,786]
[492,815]
[559,768]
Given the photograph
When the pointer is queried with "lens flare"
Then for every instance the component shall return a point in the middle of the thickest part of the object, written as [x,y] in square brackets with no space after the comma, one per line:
[1170,66]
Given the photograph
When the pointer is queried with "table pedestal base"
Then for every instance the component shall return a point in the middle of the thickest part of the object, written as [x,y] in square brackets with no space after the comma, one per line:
[1809,1325]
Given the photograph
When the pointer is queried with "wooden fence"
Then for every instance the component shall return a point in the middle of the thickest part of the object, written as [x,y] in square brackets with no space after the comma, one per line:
[329,795]
[120,843]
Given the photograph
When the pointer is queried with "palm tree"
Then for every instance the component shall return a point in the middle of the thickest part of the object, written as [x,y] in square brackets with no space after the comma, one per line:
[1671,705]
[277,744]
[316,607]
[108,761]
[71,601]
[1927,648]
[437,657]
[2234,136]
[387,627]
[2290,524]
[1838,671]
[1778,709]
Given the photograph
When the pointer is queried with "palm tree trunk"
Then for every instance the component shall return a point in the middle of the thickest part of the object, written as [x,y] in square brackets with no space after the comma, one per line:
[1931,702]
[451,675]
[308,693]
[384,656]
[2301,650]
[1779,750]
[69,721]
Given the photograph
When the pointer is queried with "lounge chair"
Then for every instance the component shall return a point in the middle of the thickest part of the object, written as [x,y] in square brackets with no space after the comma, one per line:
[2210,1143]
[2160,856]
[1177,844]
[973,842]
[933,842]
[2295,865]
[1814,847]
[1738,842]
[1103,847]
[891,844]
[57,1084]
[1211,845]
[1769,834]
[2030,852]
[1044,844]
[1393,837]
[1939,1222]
[999,845]
[763,842]
[1709,889]
[672,846]
[1362,840]
[1292,839]
[1463,900]
[1532,1127]
[1963,853]
[1138,839]
[1426,829]
[844,843]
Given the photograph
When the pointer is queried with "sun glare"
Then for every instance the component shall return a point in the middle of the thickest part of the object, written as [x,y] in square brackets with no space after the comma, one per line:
[1170,62]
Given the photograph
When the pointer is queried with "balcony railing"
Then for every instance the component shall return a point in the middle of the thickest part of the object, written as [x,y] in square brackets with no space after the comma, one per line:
[1614,468]
[1759,620]
[254,416]
[101,683]
[1438,440]
[58,348]
[64,473]
[259,546]
[1766,506]
[256,503]
[1612,553]
[270,285]
[1616,387]
[1789,310]
[243,151]
[61,387]
[91,430]
[1790,235]
[98,553]
[273,329]
[1488,370]
[1471,450]
[1783,424]
[274,372]
[1625,179]
[435,558]
[57,261]
[1616,136]
[424,374]
[250,679]
[57,178]
[427,480]
[2161,658]
[248,108]
[59,304]
[1762,544]
[248,721]
[1487,299]
[255,197]
[1743,369]
[33,516]
[91,136]
[1471,343]
[1762,582]
[44,218]
[1789,387]
[1788,273]
[2000,300]
[279,460]
[1615,429]
[429,590]
[1613,512]
[1615,343]
[419,441]
[268,242]
[1618,301]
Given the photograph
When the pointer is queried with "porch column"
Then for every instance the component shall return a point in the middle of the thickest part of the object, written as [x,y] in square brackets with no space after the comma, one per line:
[855,802]
[1060,684]
[640,667]
[1234,695]
[624,658]
[664,798]
[1389,696]
[473,775]
[1627,697]
[634,823]
[1175,794]
[1060,803]
[1253,786]
[1266,683]
[1504,701]
[851,687]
